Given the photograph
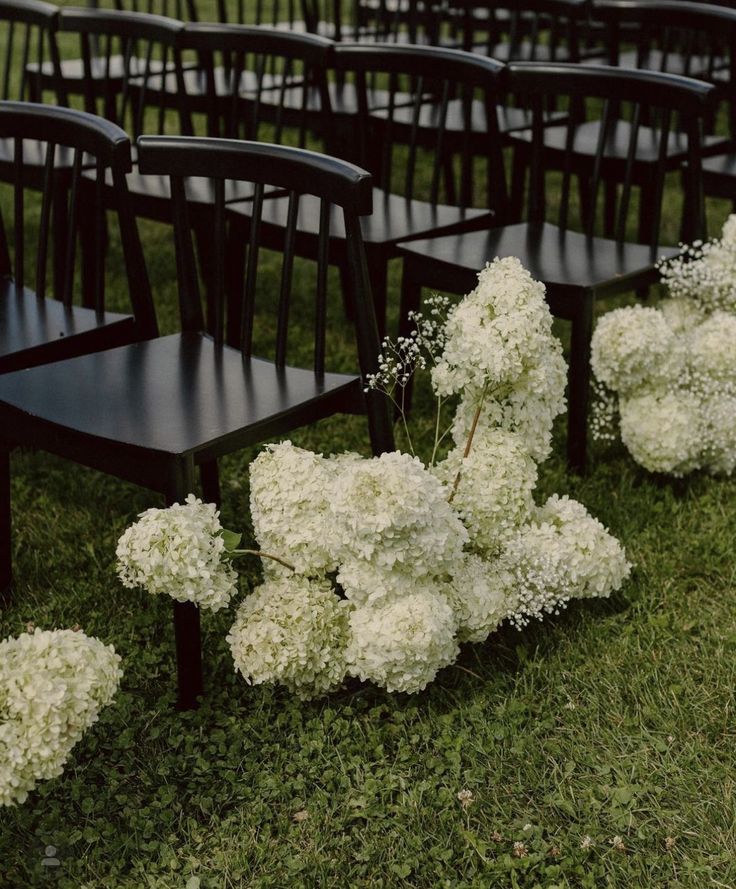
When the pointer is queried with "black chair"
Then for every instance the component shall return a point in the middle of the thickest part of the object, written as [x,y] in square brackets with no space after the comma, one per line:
[27,29]
[35,328]
[106,70]
[577,268]
[389,141]
[153,411]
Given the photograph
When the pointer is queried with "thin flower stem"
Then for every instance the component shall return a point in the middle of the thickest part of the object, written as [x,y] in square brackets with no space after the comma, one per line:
[263,555]
[437,438]
[406,425]
[468,443]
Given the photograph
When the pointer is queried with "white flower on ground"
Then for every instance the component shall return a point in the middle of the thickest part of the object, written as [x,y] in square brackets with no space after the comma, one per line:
[634,346]
[662,430]
[53,684]
[563,553]
[290,508]
[400,645]
[479,596]
[294,631]
[390,519]
[494,495]
[178,552]
[712,348]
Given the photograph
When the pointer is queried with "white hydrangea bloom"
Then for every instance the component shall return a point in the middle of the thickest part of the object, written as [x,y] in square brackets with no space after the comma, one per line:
[706,273]
[290,507]
[718,422]
[401,644]
[662,430]
[563,553]
[479,595]
[294,631]
[634,346]
[494,495]
[681,314]
[178,552]
[391,514]
[53,684]
[712,348]
[493,331]
[528,407]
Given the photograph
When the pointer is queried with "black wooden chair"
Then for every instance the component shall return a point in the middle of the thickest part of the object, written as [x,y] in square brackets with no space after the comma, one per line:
[392,148]
[672,36]
[105,70]
[34,327]
[153,411]
[577,267]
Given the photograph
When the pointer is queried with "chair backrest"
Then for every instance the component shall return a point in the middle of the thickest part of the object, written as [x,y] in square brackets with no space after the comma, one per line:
[255,83]
[384,21]
[523,30]
[629,98]
[425,107]
[74,204]
[27,35]
[676,36]
[340,188]
[123,56]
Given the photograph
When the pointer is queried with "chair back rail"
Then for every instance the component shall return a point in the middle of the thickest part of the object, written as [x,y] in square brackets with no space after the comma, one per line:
[28,33]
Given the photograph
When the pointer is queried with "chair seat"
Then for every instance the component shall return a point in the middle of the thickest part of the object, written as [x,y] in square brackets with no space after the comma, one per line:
[35,330]
[698,66]
[72,70]
[175,395]
[719,176]
[509,118]
[343,98]
[527,51]
[394,218]
[569,263]
[616,149]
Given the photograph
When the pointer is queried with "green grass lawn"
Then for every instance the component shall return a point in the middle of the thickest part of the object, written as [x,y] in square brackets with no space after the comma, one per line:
[615,719]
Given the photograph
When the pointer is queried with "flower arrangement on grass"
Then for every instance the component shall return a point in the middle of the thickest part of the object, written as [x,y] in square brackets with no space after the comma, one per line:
[666,375]
[379,568]
[53,684]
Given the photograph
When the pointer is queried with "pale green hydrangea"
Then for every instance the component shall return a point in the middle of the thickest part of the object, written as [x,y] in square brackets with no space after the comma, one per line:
[294,631]
[53,684]
[178,552]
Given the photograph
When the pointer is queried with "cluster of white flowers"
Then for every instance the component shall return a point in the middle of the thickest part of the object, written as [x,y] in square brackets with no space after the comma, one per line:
[293,631]
[427,557]
[53,684]
[388,563]
[705,272]
[669,373]
[179,552]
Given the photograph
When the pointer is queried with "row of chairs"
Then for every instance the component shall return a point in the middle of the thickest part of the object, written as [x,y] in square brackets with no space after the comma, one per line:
[150,409]
[347,99]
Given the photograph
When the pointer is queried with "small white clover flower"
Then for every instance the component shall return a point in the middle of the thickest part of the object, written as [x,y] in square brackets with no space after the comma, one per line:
[53,684]
[178,552]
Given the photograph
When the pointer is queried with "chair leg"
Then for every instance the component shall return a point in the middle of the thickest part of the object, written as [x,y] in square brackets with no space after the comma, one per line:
[209,476]
[518,183]
[186,614]
[578,387]
[378,274]
[6,566]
